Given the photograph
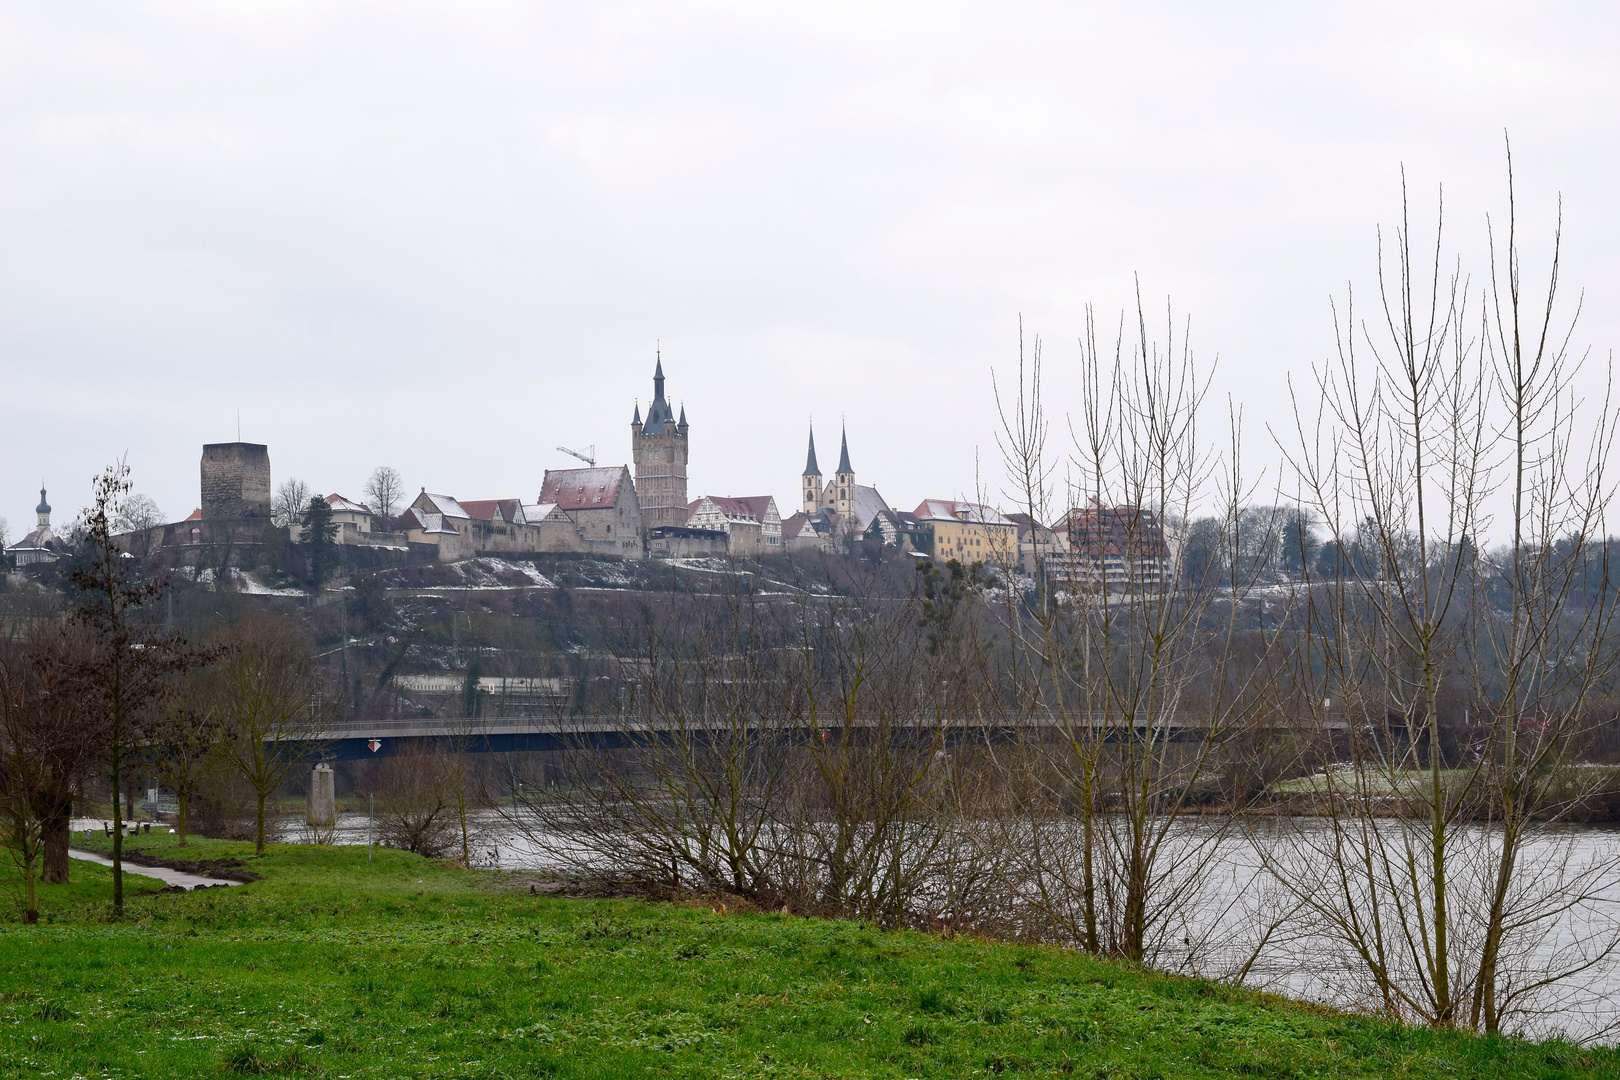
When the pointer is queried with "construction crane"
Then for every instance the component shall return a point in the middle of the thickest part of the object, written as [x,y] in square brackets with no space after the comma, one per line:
[588,457]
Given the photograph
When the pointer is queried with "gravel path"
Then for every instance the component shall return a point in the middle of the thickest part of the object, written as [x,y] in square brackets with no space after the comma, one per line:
[163,874]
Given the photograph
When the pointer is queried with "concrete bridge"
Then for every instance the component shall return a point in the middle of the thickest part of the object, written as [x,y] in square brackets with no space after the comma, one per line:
[353,740]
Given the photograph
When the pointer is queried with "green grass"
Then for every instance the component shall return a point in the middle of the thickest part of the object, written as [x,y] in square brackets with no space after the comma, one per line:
[404,968]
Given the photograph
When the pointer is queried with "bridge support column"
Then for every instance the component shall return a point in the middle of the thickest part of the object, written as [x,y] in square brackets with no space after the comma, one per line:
[322,811]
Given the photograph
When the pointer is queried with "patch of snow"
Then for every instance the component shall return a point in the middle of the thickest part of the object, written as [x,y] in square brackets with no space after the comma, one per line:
[247,583]
[708,566]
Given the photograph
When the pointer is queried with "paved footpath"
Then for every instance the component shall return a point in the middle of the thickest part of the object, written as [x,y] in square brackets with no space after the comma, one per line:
[162,873]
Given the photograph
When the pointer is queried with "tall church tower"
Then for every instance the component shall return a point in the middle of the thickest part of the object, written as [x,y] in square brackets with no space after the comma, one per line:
[812,479]
[659,447]
[843,485]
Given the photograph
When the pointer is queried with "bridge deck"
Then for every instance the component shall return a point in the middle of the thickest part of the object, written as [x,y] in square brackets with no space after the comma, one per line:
[361,739]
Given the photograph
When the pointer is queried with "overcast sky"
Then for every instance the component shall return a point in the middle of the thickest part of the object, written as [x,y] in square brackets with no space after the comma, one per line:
[449,237]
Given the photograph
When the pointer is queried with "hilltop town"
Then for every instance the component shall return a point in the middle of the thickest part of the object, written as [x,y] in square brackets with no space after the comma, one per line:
[639,510]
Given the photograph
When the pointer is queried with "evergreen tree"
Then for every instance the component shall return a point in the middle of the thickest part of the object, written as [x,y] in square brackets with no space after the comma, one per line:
[472,701]
[1299,542]
[319,538]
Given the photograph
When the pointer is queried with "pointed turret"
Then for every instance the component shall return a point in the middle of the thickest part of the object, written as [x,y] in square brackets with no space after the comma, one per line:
[658,413]
[682,424]
[812,478]
[636,419]
[43,510]
[843,485]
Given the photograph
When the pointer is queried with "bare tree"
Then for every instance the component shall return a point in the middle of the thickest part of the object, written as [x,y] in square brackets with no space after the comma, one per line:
[135,660]
[416,803]
[383,492]
[292,499]
[268,686]
[137,516]
[1447,689]
[49,738]
[182,741]
[1138,668]
[871,823]
[687,800]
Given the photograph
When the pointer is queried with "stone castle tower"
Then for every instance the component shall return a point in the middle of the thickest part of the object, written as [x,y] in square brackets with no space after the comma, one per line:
[235,481]
[660,453]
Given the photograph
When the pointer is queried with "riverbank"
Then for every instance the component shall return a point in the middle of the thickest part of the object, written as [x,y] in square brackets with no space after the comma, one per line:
[332,966]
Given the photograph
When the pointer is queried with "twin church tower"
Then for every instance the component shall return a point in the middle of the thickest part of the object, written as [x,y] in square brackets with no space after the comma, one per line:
[660,449]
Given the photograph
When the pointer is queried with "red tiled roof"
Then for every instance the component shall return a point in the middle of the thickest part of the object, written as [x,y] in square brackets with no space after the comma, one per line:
[484,509]
[759,504]
[582,489]
[732,509]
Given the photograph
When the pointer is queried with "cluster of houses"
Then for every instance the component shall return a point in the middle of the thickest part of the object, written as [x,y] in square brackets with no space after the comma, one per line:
[613,512]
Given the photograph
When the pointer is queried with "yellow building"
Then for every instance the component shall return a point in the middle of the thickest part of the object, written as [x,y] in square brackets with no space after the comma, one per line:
[969,533]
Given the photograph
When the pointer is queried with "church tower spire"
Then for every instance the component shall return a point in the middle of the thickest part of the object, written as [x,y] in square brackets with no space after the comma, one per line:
[812,478]
[844,481]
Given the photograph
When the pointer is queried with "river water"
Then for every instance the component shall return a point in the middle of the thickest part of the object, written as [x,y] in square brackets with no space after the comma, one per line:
[1260,902]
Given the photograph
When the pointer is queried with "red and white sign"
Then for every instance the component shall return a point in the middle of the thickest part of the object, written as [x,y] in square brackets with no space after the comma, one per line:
[375,745]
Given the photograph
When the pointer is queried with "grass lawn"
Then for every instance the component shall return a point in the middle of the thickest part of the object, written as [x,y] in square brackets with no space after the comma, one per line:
[332,967]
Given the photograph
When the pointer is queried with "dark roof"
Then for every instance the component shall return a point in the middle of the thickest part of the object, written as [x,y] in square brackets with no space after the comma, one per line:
[683,414]
[637,418]
[810,466]
[43,507]
[822,522]
[658,413]
[843,458]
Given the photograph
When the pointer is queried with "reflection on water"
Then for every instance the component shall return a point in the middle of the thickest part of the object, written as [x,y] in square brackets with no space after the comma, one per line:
[1238,923]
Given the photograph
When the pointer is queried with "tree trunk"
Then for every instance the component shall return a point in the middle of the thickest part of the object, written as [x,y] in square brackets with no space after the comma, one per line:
[31,895]
[55,824]
[118,831]
[258,826]
[180,817]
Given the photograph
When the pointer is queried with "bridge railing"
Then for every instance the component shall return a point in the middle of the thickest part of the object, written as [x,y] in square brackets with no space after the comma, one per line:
[592,724]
